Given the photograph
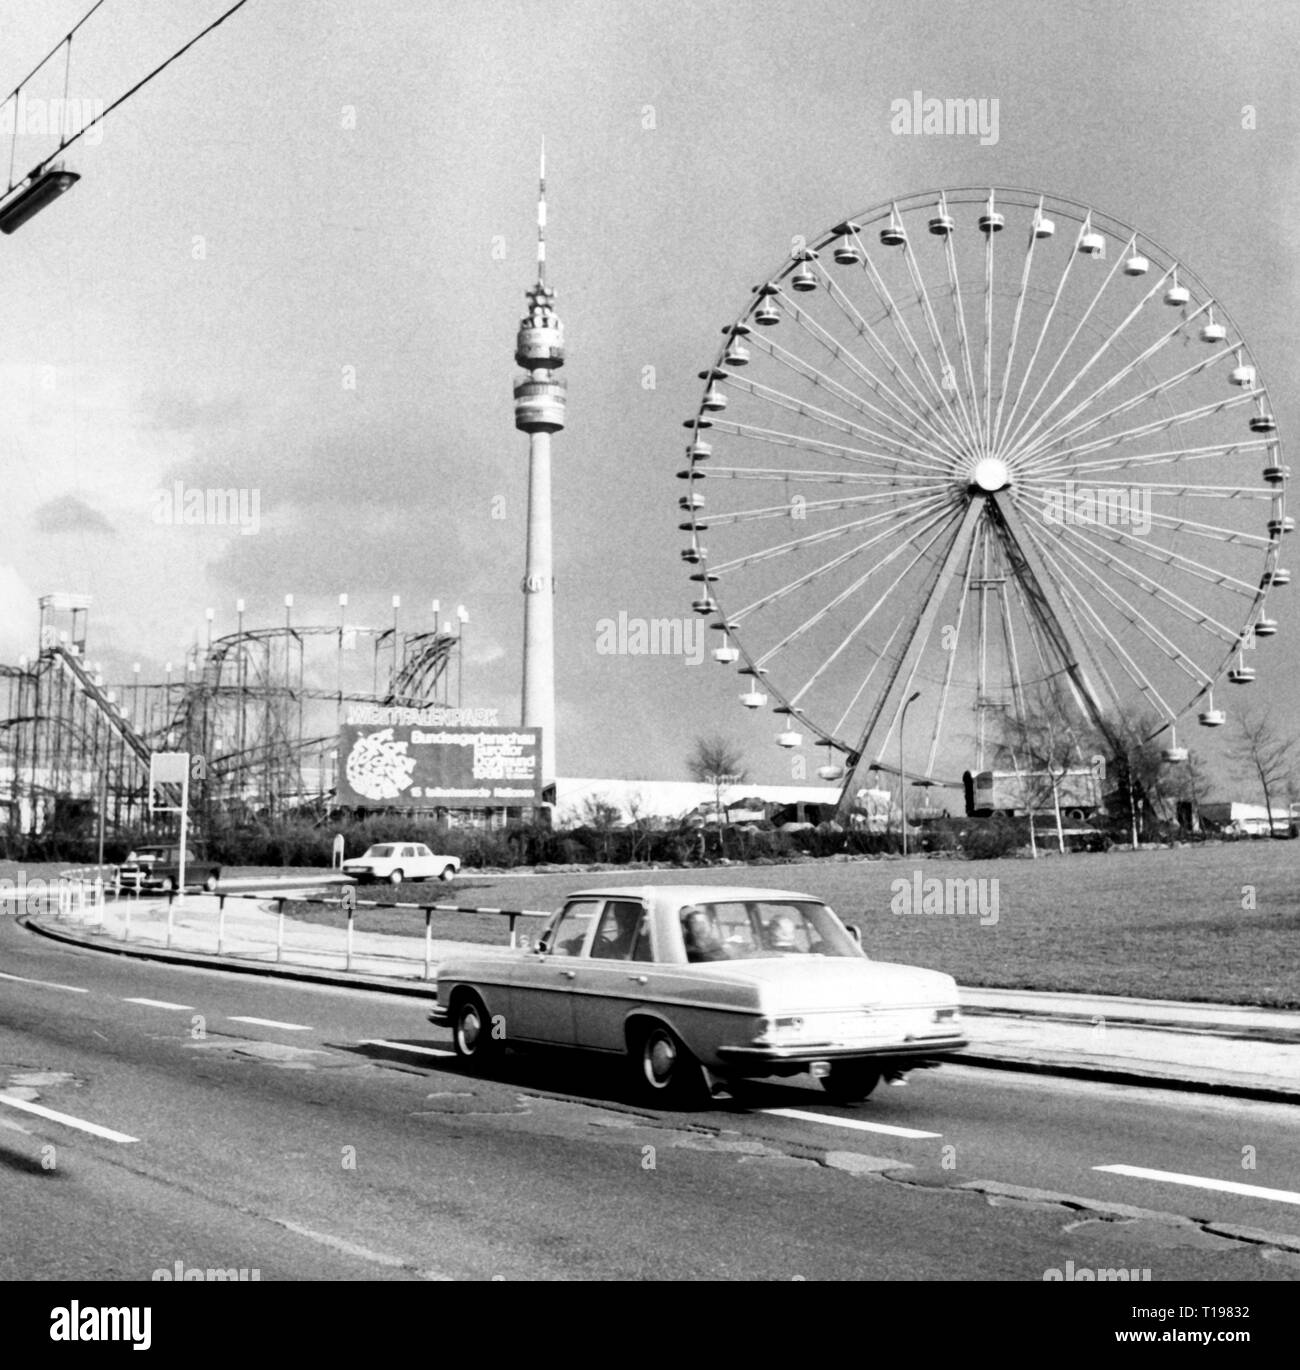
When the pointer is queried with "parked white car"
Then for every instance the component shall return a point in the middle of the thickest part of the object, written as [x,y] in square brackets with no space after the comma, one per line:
[399,861]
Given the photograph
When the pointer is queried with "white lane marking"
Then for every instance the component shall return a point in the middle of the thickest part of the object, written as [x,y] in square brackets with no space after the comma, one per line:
[159,1003]
[856,1123]
[93,1128]
[403,1046]
[47,984]
[363,1253]
[1251,1191]
[270,1022]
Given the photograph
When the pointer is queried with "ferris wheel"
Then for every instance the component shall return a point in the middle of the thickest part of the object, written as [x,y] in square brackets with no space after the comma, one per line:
[988,448]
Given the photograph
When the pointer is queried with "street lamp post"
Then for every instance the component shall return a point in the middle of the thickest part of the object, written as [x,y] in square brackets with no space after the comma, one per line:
[902,779]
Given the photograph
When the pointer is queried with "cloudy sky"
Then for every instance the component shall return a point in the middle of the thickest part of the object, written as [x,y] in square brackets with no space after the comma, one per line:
[296,261]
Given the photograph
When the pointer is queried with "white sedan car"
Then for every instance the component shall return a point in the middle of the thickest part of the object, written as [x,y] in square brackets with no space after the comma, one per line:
[399,861]
[700,984]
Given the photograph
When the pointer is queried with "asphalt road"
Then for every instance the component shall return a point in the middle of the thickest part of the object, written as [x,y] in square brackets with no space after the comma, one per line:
[262,1125]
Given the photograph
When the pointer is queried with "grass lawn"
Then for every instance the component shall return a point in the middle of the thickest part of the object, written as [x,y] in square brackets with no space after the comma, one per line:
[1214,922]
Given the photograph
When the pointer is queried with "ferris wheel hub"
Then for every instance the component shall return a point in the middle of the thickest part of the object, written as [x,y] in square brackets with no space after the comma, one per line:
[991,473]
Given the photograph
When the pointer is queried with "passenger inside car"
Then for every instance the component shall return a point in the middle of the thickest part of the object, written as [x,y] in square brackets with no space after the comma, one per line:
[701,938]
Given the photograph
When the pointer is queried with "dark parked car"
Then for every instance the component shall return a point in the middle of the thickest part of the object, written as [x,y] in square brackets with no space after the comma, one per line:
[159,868]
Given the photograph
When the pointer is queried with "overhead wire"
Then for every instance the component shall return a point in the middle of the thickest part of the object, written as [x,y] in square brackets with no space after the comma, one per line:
[67,140]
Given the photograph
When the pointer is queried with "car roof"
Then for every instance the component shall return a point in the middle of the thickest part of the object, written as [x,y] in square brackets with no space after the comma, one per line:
[689,894]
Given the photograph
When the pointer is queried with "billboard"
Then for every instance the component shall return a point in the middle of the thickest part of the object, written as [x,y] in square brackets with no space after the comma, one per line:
[435,764]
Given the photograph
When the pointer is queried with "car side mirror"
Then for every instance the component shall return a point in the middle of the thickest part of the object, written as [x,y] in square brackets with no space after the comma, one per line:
[855,932]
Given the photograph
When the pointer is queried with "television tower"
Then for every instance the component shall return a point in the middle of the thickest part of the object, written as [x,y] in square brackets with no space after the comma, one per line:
[539,412]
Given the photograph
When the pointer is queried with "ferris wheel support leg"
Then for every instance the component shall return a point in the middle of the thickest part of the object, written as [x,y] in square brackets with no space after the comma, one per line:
[1040,594]
[906,663]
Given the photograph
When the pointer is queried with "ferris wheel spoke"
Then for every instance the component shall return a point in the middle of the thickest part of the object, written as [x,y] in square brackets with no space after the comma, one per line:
[1133,616]
[788,473]
[912,417]
[1024,439]
[777,438]
[954,290]
[856,697]
[989,237]
[890,518]
[918,633]
[895,314]
[1016,436]
[1185,565]
[950,389]
[1081,544]
[995,439]
[856,402]
[1049,436]
[935,528]
[1006,435]
[1164,458]
[822,506]
[951,663]
[818,415]
[1156,426]
[935,420]
[929,519]
[1099,627]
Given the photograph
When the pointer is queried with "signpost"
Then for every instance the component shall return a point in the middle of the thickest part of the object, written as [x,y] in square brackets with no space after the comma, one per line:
[172,768]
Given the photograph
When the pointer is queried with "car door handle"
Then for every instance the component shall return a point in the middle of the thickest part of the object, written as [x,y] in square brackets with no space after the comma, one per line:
[639,979]
[568,974]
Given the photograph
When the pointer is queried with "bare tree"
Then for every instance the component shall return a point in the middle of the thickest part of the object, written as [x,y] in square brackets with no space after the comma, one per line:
[1136,751]
[1044,749]
[638,824]
[602,818]
[1262,753]
[719,763]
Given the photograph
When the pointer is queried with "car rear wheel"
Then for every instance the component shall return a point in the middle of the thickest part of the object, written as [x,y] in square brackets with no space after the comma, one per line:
[166,884]
[396,877]
[210,884]
[849,1082]
[663,1071]
[448,873]
[471,1030]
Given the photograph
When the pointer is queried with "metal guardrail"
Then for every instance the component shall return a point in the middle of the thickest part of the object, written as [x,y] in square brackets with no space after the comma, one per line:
[73,907]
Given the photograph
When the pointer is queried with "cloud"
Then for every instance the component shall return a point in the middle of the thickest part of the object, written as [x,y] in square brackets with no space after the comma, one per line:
[69,514]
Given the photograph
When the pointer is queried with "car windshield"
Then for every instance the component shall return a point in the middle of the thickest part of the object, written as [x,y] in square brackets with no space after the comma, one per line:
[380,851]
[749,929]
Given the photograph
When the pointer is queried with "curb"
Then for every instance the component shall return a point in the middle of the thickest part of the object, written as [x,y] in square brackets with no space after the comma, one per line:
[347,979]
[1119,1075]
[1274,1036]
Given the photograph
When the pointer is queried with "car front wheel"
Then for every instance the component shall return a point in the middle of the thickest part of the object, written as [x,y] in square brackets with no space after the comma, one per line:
[396,877]
[663,1070]
[471,1031]
[849,1082]
[210,884]
[448,873]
